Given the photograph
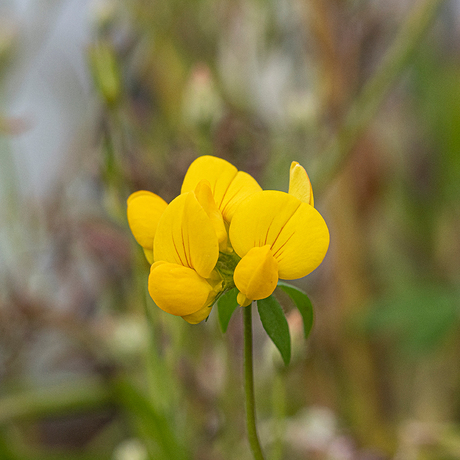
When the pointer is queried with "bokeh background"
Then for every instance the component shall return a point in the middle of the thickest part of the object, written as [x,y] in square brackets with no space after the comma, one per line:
[102,98]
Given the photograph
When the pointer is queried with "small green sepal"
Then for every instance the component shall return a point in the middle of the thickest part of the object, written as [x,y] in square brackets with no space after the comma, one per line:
[226,305]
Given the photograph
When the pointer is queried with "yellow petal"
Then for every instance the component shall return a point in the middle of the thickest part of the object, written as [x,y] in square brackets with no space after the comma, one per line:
[149,255]
[204,196]
[256,274]
[186,236]
[198,316]
[144,211]
[296,232]
[242,300]
[242,186]
[217,171]
[302,244]
[215,281]
[299,184]
[228,186]
[177,289]
[259,219]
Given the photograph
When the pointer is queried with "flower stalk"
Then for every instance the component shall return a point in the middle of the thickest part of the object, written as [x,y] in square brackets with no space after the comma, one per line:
[249,386]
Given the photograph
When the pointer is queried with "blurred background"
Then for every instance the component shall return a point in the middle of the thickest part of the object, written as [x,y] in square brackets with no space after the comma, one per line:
[100,98]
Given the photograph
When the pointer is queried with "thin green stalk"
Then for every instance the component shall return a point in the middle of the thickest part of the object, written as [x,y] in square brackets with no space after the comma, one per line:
[249,386]
[373,94]
[279,410]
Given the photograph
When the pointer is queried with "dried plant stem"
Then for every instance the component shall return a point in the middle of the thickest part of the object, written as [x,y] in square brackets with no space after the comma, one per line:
[365,106]
[249,386]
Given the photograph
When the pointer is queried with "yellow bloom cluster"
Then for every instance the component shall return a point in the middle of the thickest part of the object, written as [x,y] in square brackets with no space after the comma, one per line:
[223,231]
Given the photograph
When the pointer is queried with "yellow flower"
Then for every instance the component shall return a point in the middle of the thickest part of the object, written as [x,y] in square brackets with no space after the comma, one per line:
[187,241]
[183,280]
[278,235]
[225,188]
[144,212]
[229,186]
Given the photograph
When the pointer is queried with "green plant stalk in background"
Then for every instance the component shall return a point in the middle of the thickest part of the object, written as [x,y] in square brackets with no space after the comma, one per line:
[279,412]
[249,386]
[366,105]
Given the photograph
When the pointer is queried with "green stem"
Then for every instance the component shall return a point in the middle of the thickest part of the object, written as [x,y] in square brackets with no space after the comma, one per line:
[249,386]
[375,90]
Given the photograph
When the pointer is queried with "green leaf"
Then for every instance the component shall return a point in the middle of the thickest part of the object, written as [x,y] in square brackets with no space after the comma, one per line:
[226,305]
[303,304]
[275,325]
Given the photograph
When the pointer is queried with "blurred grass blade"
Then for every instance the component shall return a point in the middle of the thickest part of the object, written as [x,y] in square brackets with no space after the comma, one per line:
[78,395]
[155,425]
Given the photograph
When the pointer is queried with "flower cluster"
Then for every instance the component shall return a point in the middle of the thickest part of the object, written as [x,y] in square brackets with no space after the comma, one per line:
[224,231]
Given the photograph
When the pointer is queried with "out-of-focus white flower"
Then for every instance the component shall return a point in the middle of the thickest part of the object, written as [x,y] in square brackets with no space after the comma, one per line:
[130,449]
[341,448]
[302,108]
[312,430]
[125,336]
[201,102]
[102,12]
